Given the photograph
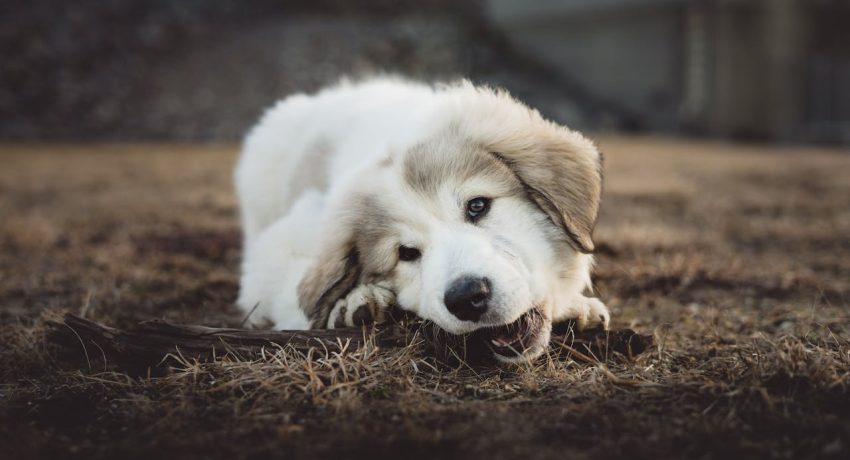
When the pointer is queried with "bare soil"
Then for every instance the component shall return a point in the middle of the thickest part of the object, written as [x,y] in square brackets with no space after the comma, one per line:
[737,259]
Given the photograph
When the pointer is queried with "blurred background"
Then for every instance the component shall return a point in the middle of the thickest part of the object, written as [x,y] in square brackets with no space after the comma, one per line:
[203,70]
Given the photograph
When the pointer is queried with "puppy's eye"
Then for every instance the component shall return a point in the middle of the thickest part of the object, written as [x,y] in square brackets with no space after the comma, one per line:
[476,208]
[408,254]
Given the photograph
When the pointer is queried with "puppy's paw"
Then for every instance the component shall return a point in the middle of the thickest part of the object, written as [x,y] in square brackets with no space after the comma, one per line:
[597,313]
[365,304]
[586,312]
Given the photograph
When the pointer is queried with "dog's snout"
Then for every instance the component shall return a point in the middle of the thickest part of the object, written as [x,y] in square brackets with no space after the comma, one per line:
[467,297]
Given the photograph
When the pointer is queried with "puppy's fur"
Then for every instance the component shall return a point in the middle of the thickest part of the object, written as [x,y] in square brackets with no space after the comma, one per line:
[331,185]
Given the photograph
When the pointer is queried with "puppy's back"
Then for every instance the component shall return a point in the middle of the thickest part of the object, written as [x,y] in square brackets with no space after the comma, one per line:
[311,141]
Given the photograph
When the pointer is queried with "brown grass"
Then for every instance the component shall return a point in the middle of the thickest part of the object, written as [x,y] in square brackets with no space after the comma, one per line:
[736,258]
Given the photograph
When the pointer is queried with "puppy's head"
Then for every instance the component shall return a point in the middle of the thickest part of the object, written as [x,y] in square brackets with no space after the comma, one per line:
[478,229]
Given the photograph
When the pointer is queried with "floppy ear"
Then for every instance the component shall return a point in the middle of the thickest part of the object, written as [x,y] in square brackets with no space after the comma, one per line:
[334,275]
[561,172]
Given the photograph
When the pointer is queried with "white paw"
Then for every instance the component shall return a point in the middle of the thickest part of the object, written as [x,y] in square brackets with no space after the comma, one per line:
[365,304]
[597,313]
[586,312]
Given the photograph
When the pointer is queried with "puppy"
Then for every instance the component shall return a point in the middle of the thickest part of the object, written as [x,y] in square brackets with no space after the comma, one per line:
[456,203]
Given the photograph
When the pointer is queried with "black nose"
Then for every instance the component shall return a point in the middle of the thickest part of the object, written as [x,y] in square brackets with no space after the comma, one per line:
[467,297]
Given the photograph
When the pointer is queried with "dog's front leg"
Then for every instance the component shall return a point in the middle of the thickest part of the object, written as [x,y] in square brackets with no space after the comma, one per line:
[365,304]
[585,311]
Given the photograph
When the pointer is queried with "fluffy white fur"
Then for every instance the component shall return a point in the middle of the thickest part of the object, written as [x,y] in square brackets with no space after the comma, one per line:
[310,154]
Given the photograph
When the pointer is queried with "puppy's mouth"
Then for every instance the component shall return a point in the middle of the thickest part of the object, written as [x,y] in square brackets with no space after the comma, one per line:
[517,339]
[514,343]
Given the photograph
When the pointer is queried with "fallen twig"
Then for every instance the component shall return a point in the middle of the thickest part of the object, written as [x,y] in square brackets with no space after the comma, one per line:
[149,343]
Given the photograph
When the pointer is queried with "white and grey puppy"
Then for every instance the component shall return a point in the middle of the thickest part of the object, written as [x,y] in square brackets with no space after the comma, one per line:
[456,203]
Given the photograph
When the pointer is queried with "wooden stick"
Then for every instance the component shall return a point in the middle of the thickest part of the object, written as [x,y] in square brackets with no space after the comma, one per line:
[149,342]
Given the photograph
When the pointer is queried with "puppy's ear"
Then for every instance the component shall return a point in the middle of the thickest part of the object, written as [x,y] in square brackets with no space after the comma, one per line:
[334,275]
[561,172]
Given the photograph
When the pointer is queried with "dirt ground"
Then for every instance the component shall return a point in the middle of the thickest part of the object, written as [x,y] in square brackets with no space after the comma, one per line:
[737,259]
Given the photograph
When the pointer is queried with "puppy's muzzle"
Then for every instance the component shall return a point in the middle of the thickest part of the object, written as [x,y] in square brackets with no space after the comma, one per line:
[468,297]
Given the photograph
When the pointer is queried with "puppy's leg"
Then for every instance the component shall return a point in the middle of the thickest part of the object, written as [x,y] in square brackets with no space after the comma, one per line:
[365,304]
[585,311]
[275,262]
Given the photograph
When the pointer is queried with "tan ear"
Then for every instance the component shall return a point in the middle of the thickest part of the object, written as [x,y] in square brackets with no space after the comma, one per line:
[561,172]
[334,275]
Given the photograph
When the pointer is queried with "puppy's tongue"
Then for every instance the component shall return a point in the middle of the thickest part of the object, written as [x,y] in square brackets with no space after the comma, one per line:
[512,333]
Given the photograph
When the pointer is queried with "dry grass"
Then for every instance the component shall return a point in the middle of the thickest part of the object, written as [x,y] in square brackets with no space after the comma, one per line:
[735,257]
